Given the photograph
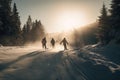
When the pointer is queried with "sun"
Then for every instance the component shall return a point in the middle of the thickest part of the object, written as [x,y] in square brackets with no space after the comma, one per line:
[70,20]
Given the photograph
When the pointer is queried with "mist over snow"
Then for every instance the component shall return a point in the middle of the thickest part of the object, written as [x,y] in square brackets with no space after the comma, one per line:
[34,63]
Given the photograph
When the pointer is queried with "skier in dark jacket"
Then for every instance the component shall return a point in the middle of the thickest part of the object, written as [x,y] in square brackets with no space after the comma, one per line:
[52,42]
[44,41]
[64,42]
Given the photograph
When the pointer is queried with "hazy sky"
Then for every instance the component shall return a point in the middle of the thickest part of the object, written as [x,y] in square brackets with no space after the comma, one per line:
[57,15]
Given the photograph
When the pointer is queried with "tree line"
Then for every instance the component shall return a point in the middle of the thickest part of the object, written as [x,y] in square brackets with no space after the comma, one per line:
[11,32]
[105,30]
[109,23]
[32,31]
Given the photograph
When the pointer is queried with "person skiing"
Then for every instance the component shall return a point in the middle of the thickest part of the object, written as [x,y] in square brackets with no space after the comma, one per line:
[64,41]
[44,41]
[52,42]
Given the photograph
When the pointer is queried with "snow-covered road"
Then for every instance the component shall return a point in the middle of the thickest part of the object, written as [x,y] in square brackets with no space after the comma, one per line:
[52,65]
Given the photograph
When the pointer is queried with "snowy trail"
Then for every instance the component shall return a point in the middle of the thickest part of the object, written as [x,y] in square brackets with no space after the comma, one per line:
[41,65]
[53,65]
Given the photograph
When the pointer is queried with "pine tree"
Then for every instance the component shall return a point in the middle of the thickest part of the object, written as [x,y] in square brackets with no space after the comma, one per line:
[10,30]
[103,32]
[29,22]
[28,28]
[24,34]
[16,20]
[5,15]
[37,31]
[1,28]
[16,29]
[42,29]
[26,31]
[32,31]
[6,28]
[115,18]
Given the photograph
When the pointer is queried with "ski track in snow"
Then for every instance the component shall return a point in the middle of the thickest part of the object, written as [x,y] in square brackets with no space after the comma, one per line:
[99,59]
[34,64]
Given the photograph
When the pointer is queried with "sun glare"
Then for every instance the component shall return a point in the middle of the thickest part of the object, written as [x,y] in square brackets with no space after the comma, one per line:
[71,20]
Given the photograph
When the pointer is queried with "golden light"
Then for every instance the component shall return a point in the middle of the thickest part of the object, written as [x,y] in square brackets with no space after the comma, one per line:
[70,20]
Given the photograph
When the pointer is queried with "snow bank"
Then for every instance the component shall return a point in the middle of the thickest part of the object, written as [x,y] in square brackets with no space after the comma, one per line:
[10,53]
[103,58]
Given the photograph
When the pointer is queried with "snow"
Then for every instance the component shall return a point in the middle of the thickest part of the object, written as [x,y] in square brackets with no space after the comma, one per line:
[32,63]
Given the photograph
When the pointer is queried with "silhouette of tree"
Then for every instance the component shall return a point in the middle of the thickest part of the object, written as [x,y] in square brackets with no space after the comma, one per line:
[33,31]
[37,31]
[16,20]
[16,25]
[29,22]
[9,23]
[26,30]
[5,15]
[115,19]
[24,34]
[103,30]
